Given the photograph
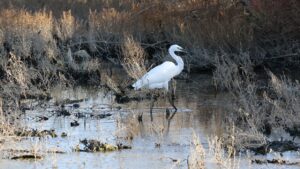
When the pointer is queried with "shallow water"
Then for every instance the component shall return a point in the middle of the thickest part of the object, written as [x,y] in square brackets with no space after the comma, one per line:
[159,144]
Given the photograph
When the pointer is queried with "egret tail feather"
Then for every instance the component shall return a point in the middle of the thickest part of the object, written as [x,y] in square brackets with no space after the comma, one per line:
[137,85]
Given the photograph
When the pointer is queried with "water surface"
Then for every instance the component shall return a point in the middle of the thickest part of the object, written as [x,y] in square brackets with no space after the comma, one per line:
[159,144]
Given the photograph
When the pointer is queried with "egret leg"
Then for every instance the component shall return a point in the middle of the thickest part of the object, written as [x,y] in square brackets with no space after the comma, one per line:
[167,110]
[151,106]
[169,117]
[171,95]
[140,116]
[167,113]
[171,98]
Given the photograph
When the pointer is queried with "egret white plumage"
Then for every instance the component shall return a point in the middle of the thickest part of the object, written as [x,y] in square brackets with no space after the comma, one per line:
[159,76]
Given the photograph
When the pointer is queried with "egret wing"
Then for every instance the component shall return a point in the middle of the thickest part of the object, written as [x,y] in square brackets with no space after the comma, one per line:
[161,73]
[158,74]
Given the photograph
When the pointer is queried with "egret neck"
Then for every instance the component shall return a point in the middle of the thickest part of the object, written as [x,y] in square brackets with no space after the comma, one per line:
[178,59]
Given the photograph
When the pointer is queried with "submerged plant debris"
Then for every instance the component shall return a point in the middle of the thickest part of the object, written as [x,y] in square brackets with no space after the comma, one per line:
[97,146]
[27,156]
[35,133]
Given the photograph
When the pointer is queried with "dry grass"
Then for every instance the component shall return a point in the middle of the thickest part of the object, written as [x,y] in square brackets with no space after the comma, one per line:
[196,159]
[284,101]
[16,71]
[7,128]
[92,65]
[134,58]
[258,110]
[28,32]
[66,26]
[200,25]
[278,106]
[206,27]
[109,82]
[237,139]
[250,110]
[109,21]
[232,72]
[224,154]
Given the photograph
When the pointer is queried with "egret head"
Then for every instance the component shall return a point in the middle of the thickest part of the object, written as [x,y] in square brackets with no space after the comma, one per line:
[176,48]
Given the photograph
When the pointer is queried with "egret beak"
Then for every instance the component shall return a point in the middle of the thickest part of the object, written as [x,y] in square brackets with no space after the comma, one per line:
[182,51]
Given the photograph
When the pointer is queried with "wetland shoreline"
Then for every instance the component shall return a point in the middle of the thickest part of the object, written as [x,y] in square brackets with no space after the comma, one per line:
[65,68]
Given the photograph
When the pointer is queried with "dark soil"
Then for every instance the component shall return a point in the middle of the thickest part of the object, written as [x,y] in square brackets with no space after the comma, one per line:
[26,156]
[97,146]
[74,123]
[277,146]
[35,133]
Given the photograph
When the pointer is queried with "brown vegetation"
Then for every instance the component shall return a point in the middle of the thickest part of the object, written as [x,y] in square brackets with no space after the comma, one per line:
[197,154]
[134,58]
[47,43]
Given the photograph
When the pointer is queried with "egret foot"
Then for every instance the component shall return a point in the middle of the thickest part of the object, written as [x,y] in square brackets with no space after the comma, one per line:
[151,116]
[167,113]
[173,114]
[140,118]
[171,100]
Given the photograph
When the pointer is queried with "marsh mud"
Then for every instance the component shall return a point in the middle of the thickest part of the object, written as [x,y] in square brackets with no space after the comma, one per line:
[103,123]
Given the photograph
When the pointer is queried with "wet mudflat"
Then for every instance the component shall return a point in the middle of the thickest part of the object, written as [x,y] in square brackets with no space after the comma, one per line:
[82,114]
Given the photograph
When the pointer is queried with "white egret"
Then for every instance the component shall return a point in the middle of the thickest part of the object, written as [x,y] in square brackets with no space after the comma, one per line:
[159,76]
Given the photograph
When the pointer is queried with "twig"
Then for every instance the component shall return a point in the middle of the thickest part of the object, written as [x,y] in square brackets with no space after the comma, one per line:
[146,45]
[142,11]
[283,56]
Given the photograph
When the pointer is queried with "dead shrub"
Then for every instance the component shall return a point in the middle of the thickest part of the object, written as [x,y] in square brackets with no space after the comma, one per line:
[16,71]
[223,154]
[109,82]
[284,100]
[134,58]
[232,72]
[108,21]
[7,129]
[241,139]
[27,32]
[92,65]
[258,114]
[66,26]
[106,27]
